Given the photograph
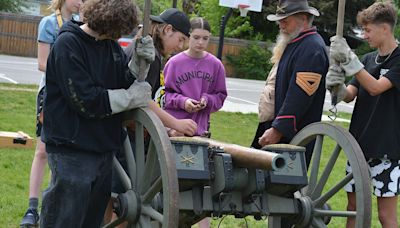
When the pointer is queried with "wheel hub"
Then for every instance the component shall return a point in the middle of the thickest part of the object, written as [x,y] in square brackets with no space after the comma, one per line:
[327,219]
[306,208]
[129,206]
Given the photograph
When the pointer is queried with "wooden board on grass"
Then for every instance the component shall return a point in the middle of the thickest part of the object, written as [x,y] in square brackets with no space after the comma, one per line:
[15,140]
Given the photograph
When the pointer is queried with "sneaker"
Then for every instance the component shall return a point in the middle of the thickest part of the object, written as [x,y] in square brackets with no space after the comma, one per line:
[30,219]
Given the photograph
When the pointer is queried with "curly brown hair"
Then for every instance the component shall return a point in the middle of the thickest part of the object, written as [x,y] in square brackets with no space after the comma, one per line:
[111,18]
[377,13]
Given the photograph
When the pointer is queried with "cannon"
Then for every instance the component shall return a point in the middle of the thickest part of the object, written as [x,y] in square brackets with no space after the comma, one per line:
[176,182]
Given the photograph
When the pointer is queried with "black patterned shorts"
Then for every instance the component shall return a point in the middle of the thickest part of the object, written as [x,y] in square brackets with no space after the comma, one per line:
[39,109]
[385,175]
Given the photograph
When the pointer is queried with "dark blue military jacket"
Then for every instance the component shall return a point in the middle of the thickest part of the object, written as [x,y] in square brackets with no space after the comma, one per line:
[300,84]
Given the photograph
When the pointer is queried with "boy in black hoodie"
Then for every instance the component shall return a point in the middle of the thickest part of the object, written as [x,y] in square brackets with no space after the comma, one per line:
[88,81]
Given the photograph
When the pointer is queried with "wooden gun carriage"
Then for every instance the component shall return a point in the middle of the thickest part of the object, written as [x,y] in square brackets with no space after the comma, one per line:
[176,182]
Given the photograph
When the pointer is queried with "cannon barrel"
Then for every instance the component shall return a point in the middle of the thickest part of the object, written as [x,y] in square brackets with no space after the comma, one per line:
[243,156]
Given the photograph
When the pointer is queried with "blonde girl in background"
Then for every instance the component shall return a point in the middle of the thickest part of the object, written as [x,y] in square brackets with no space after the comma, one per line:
[49,26]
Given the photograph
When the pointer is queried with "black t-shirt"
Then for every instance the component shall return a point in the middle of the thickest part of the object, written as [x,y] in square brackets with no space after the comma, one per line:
[375,122]
[153,76]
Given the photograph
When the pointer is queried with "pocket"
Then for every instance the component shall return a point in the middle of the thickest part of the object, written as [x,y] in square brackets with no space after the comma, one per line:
[62,126]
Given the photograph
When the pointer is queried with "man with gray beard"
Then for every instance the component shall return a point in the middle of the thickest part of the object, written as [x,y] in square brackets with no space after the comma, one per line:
[294,93]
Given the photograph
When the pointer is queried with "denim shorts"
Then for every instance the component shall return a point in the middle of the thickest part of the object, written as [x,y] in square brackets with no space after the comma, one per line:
[39,109]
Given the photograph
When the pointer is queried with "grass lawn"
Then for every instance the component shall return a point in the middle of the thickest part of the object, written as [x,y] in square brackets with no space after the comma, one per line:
[17,113]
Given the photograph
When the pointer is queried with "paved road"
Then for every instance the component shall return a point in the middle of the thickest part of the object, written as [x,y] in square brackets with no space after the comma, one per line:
[19,70]
[243,94]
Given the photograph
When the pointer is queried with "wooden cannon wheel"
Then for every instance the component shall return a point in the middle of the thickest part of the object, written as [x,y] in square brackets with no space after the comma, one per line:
[151,183]
[320,189]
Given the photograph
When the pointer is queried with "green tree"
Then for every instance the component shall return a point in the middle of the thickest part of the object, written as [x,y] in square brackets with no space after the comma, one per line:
[156,6]
[252,62]
[329,11]
[397,28]
[237,26]
[13,6]
[255,26]
[325,23]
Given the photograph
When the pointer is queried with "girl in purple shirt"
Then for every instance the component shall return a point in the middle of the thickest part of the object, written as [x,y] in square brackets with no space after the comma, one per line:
[195,80]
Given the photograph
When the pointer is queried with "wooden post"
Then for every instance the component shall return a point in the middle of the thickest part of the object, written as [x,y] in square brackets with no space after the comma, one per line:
[339,33]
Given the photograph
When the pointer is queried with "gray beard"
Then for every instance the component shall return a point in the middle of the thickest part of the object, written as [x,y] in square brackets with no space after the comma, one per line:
[282,41]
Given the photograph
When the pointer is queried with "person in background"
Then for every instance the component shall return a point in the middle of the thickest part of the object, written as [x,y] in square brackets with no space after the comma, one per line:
[195,80]
[88,83]
[295,89]
[49,27]
[169,31]
[374,123]
[195,83]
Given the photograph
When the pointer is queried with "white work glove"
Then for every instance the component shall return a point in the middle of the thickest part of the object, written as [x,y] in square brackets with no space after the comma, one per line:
[137,95]
[144,49]
[342,53]
[335,83]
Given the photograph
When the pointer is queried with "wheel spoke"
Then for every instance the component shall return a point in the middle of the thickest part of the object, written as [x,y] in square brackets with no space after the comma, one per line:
[317,222]
[152,191]
[152,213]
[325,197]
[323,213]
[114,223]
[153,171]
[139,152]
[321,193]
[126,182]
[315,164]
[143,223]
[130,162]
[146,220]
[151,168]
[325,174]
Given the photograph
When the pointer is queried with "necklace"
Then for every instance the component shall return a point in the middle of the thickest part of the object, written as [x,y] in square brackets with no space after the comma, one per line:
[387,57]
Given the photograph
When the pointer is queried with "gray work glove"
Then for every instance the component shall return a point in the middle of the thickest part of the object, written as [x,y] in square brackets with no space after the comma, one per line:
[137,95]
[342,53]
[335,83]
[144,49]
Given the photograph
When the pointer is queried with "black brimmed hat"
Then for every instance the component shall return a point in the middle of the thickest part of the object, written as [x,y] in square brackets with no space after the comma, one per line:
[176,18]
[287,8]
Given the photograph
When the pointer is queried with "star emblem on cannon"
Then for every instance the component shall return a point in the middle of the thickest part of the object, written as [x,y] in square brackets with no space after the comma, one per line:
[188,159]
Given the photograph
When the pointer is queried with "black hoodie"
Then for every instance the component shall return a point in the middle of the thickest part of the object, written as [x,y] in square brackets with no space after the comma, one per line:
[77,112]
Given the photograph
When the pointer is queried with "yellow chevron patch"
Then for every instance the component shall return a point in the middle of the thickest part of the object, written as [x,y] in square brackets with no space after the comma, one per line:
[308,81]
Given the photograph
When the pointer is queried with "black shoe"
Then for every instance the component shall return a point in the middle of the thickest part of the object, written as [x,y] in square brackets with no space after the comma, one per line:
[30,219]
